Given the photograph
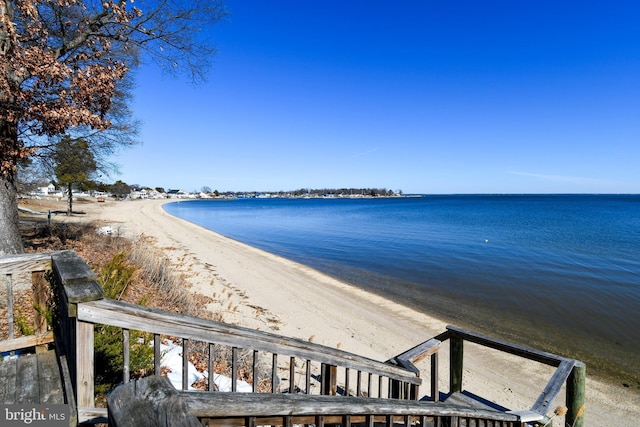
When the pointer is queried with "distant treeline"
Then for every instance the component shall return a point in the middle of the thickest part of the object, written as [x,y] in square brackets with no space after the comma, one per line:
[320,192]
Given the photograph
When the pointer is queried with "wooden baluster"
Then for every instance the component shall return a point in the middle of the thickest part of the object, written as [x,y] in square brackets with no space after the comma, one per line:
[292,374]
[212,385]
[156,354]
[435,392]
[254,370]
[185,364]
[395,389]
[308,377]
[126,358]
[274,372]
[234,369]
[329,383]
[346,381]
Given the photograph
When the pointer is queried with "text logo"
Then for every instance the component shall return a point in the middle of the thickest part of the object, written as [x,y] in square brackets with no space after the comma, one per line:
[36,415]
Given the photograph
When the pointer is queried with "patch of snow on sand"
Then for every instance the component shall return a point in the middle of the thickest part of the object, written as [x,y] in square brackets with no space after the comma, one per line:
[172,359]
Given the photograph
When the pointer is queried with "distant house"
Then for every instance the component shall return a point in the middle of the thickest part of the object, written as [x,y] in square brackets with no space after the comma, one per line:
[178,194]
[146,193]
[49,189]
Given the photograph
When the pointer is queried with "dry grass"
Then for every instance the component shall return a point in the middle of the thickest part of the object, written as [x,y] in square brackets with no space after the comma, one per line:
[155,282]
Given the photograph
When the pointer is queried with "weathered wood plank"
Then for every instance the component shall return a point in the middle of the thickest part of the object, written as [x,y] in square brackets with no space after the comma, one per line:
[27,379]
[26,342]
[25,263]
[204,404]
[420,351]
[67,384]
[121,314]
[408,359]
[552,389]
[49,380]
[84,359]
[79,281]
[151,401]
[507,347]
[8,381]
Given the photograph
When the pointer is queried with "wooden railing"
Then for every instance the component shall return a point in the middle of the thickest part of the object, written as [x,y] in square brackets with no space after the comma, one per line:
[19,275]
[323,370]
[569,373]
[316,381]
[158,403]
[26,274]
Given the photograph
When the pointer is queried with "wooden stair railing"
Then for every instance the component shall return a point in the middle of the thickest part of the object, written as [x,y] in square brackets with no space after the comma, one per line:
[569,373]
[153,401]
[80,305]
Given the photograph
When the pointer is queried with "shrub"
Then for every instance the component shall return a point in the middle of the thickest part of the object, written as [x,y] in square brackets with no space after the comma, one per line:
[115,277]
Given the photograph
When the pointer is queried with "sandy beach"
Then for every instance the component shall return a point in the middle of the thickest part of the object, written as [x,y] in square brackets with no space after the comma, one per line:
[257,289]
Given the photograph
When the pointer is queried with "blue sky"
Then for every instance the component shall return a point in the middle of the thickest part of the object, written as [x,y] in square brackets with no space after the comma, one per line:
[423,96]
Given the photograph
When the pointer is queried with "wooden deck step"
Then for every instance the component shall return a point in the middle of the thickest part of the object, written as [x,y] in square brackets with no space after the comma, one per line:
[33,378]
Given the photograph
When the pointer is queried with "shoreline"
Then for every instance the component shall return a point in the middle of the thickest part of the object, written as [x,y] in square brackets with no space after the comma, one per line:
[265,291]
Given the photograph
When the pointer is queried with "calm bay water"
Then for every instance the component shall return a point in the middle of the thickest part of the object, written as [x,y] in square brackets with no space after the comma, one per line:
[558,272]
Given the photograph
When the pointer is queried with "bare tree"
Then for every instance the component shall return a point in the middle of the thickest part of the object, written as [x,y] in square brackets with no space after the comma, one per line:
[64,68]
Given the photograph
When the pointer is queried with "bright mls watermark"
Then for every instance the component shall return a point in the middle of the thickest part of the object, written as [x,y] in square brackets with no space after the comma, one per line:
[36,415]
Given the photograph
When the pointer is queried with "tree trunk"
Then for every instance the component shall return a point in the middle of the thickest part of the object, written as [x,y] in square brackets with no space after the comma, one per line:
[70,209]
[10,240]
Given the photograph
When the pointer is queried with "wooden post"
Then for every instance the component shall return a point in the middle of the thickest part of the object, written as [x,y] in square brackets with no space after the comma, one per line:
[575,396]
[84,365]
[456,356]
[77,283]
